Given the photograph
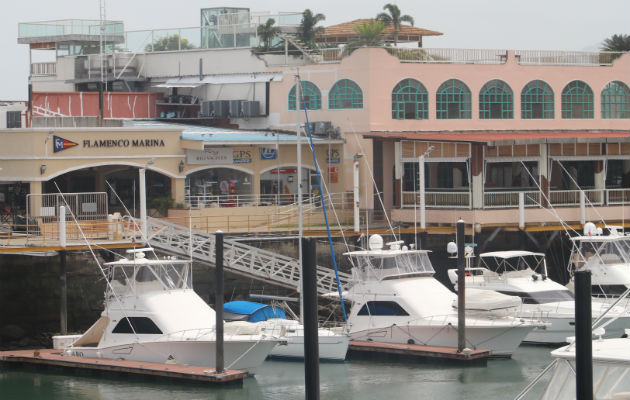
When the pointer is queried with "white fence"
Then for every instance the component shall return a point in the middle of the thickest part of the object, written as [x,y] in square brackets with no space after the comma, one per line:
[509,199]
[572,197]
[437,199]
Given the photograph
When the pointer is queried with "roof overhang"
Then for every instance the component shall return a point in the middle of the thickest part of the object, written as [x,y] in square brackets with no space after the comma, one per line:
[195,81]
[506,137]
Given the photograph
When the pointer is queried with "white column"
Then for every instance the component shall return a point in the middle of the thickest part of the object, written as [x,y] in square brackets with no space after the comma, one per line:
[143,205]
[423,216]
[356,198]
[62,226]
[521,210]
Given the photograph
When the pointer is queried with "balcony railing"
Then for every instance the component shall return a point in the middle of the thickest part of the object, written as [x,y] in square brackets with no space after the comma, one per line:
[311,202]
[44,69]
[572,197]
[617,196]
[509,199]
[446,199]
[550,57]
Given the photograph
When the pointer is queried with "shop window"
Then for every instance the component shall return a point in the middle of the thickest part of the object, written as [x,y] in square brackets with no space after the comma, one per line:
[577,101]
[345,94]
[376,308]
[410,100]
[14,119]
[141,325]
[615,101]
[496,100]
[311,95]
[453,100]
[537,101]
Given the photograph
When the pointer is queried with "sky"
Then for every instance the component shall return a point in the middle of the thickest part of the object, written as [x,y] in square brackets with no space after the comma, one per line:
[483,24]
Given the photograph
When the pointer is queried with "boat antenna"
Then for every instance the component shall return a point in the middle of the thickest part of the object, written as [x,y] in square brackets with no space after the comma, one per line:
[321,191]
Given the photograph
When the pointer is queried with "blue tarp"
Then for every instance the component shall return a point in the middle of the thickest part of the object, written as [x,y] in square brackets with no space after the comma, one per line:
[255,311]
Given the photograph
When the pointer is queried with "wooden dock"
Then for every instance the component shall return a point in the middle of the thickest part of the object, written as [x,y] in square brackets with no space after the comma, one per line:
[417,351]
[49,357]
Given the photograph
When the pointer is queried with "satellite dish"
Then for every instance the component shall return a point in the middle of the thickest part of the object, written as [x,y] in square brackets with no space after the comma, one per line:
[451,248]
[375,242]
[590,229]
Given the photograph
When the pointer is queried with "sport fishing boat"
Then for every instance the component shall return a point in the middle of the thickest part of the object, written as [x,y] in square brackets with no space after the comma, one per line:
[153,314]
[272,319]
[396,299]
[606,256]
[524,274]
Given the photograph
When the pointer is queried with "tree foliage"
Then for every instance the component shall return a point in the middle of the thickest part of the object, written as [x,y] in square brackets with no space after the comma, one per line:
[308,29]
[616,43]
[394,18]
[267,32]
[370,34]
[170,43]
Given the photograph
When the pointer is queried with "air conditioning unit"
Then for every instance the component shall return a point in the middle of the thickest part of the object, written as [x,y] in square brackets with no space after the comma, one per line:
[321,128]
[235,108]
[221,108]
[250,108]
[207,108]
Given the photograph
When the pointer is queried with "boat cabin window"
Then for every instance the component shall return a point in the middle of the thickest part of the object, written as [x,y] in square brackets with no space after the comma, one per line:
[547,296]
[608,290]
[607,252]
[382,308]
[125,279]
[377,267]
[521,263]
[140,325]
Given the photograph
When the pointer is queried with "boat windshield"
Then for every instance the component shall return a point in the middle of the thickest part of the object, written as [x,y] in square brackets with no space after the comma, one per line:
[606,252]
[376,267]
[547,296]
[142,278]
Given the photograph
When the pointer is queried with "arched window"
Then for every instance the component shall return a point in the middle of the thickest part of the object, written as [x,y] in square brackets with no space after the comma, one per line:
[615,97]
[311,95]
[345,94]
[496,100]
[410,100]
[577,101]
[453,100]
[537,101]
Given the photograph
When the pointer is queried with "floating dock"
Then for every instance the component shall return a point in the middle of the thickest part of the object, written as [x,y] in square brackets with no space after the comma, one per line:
[49,357]
[417,351]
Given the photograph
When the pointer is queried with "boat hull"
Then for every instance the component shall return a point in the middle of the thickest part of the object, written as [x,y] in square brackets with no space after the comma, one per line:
[558,329]
[501,340]
[331,348]
[242,355]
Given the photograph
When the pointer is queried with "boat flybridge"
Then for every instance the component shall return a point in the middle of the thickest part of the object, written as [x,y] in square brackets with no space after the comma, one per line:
[606,256]
[524,274]
[153,314]
[396,299]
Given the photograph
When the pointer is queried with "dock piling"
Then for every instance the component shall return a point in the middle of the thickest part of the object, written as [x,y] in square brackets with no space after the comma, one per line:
[311,347]
[461,288]
[218,303]
[583,337]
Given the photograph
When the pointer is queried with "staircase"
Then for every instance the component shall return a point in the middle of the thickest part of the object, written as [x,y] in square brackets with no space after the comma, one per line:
[239,258]
[310,54]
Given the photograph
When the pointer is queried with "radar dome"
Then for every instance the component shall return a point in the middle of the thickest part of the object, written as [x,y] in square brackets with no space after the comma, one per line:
[375,242]
[590,229]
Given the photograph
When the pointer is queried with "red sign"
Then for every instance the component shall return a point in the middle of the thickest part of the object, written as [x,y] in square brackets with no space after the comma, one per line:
[276,171]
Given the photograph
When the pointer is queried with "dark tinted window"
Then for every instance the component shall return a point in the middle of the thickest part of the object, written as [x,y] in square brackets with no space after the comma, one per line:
[140,325]
[382,308]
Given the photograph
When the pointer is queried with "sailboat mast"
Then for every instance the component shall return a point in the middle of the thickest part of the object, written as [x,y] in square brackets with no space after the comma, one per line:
[298,131]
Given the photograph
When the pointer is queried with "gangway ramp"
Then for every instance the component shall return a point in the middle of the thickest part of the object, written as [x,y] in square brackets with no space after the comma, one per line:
[238,257]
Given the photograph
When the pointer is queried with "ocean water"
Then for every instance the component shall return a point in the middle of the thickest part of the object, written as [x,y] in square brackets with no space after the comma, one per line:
[357,379]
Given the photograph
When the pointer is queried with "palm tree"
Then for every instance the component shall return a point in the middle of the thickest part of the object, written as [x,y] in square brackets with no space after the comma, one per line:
[267,32]
[394,18]
[617,43]
[370,34]
[307,29]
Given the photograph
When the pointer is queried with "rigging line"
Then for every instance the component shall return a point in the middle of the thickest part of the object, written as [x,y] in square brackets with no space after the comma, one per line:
[319,182]
[109,284]
[378,193]
[582,191]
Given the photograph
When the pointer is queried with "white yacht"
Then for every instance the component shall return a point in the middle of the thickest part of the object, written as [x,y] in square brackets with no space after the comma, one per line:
[606,256]
[611,372]
[153,314]
[396,299]
[333,345]
[524,274]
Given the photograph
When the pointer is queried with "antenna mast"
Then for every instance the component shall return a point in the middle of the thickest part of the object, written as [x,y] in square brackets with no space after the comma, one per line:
[101,6]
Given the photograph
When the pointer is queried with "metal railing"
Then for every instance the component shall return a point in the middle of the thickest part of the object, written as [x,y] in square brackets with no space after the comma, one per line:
[449,56]
[435,199]
[617,196]
[551,57]
[572,197]
[338,200]
[69,27]
[44,69]
[509,199]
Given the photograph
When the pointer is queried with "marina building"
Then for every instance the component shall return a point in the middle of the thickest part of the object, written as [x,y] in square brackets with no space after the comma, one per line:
[493,136]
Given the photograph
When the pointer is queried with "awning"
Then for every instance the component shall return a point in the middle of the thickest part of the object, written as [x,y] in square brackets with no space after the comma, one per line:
[193,82]
[505,137]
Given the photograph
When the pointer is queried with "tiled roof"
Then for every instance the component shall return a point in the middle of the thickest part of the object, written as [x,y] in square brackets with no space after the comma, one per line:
[342,32]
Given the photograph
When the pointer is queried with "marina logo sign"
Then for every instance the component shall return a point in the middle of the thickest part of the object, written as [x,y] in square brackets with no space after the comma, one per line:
[267,153]
[99,143]
[60,144]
